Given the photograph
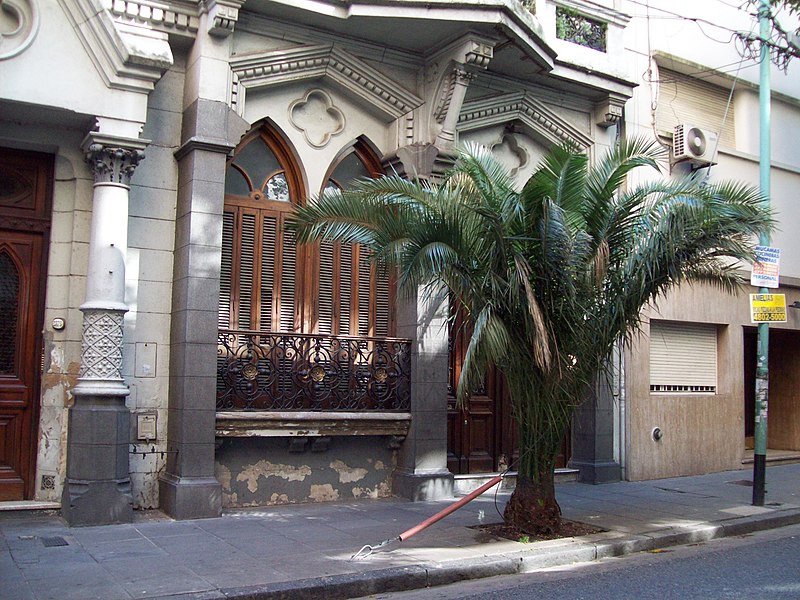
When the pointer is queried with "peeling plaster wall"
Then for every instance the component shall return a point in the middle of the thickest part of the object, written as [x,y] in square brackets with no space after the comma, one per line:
[65,283]
[268,471]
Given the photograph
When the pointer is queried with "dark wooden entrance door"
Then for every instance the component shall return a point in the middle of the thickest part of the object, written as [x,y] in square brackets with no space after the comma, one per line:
[24,224]
[481,436]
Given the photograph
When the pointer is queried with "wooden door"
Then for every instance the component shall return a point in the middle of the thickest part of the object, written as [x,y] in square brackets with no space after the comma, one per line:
[24,223]
[482,435]
[479,434]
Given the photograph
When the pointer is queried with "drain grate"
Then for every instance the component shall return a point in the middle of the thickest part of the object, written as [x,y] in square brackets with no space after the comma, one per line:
[50,542]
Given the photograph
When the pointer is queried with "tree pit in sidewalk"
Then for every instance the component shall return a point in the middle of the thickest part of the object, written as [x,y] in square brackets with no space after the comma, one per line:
[567,529]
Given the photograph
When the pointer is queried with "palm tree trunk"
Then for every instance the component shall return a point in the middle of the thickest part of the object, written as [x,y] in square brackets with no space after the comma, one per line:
[533,507]
[542,424]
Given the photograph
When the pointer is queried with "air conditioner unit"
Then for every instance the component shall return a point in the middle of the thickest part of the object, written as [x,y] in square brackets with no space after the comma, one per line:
[693,144]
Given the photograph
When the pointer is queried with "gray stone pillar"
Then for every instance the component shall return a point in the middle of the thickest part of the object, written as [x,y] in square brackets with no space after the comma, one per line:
[97,490]
[188,488]
[421,472]
[593,437]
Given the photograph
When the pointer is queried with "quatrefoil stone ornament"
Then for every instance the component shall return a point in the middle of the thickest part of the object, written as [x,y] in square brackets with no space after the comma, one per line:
[316,117]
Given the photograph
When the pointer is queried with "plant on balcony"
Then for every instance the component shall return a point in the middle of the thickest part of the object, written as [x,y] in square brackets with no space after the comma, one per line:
[551,276]
[573,27]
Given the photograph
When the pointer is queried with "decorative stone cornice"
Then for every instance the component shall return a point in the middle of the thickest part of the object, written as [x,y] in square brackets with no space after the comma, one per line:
[166,18]
[358,79]
[205,144]
[520,106]
[222,16]
[113,160]
[128,55]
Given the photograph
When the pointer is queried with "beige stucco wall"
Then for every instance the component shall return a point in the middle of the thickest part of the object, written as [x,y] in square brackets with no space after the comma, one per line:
[703,433]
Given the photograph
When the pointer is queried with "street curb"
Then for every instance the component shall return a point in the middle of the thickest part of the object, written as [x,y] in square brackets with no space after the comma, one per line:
[548,554]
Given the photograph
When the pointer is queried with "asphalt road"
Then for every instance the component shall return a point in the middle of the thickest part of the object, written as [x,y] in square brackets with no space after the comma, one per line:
[762,566]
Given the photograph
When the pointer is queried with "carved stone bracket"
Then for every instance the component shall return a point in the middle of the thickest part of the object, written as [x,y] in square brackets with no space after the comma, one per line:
[479,53]
[222,16]
[454,92]
[609,111]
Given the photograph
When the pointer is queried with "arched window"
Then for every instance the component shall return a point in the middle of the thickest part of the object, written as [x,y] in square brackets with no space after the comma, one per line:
[259,278]
[354,295]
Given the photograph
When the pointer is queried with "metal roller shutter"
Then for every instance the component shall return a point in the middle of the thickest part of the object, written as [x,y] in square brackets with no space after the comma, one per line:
[683,357]
[684,99]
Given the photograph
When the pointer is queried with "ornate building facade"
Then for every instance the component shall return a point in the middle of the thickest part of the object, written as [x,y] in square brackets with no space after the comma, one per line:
[173,346]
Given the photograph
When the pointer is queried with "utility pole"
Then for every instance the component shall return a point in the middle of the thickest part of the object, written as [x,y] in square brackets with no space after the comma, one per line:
[762,364]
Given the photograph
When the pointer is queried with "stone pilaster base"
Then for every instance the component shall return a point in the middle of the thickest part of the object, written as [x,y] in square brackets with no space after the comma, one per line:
[97,502]
[190,497]
[423,486]
[97,490]
[597,471]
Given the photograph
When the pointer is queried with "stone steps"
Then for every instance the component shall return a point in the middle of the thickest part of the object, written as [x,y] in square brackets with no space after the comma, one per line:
[464,484]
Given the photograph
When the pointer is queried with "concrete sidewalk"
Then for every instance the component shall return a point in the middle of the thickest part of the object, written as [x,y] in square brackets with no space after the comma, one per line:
[303,551]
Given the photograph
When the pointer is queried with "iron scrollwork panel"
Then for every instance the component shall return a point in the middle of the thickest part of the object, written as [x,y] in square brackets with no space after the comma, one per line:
[285,372]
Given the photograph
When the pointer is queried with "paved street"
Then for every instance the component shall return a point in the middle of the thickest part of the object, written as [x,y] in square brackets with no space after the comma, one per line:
[762,566]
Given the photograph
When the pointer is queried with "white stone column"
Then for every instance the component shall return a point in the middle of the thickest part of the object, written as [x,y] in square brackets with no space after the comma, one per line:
[98,488]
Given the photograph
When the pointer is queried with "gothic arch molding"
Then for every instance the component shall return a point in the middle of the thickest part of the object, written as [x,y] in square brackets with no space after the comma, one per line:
[368,86]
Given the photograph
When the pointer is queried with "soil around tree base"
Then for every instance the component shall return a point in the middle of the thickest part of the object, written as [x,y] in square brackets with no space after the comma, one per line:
[509,532]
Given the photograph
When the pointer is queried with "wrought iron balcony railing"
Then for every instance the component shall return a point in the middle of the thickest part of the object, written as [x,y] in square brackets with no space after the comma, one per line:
[263,371]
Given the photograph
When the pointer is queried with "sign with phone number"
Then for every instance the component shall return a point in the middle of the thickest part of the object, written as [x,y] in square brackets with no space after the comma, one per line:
[767,308]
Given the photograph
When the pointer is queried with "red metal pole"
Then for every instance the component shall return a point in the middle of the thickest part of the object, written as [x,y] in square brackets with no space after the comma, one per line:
[452,508]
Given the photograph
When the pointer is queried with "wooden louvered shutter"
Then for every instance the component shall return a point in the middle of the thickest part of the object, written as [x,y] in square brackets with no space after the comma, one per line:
[247,240]
[685,99]
[382,308]
[326,292]
[683,357]
[345,289]
[268,251]
[288,278]
[226,271]
[259,257]
[364,297]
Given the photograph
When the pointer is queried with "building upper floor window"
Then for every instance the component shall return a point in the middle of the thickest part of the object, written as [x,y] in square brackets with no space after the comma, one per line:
[267,282]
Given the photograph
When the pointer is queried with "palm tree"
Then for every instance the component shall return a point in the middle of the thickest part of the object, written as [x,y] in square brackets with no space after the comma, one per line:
[551,277]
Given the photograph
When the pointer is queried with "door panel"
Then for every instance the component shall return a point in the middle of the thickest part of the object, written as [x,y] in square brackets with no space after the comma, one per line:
[20,254]
[24,223]
[482,435]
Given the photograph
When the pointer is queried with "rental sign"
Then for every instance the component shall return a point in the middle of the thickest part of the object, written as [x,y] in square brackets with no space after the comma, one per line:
[768,308]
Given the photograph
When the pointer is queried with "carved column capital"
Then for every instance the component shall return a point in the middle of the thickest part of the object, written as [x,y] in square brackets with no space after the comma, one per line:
[113,160]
